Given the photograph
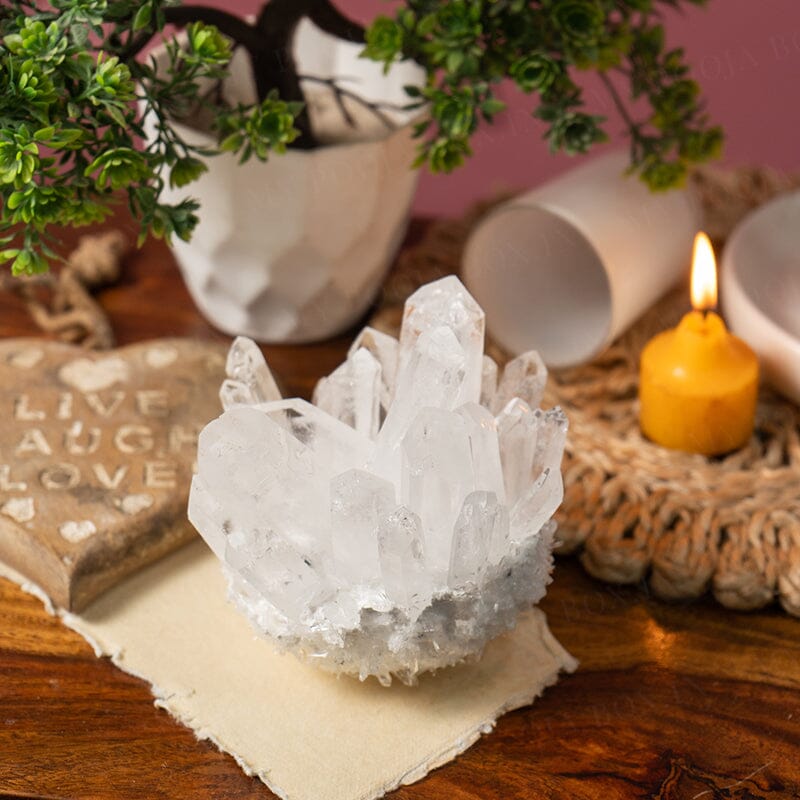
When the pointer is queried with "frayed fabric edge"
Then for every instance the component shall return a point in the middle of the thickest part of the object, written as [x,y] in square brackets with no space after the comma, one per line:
[164,700]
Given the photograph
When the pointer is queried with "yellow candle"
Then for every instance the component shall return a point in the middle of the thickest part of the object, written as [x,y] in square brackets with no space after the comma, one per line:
[698,383]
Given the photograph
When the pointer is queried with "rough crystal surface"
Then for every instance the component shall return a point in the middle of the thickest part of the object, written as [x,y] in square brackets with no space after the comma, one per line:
[404,519]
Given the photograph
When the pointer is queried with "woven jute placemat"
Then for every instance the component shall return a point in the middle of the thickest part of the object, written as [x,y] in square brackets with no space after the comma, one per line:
[634,511]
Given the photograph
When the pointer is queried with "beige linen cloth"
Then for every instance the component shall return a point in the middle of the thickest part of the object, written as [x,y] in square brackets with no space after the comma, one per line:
[308,735]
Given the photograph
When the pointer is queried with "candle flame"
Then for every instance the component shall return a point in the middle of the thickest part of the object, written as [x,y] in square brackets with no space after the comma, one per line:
[704,274]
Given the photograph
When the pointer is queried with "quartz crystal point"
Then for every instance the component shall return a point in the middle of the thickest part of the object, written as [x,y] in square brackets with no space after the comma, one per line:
[278,491]
[437,474]
[432,377]
[383,349]
[277,570]
[205,513]
[351,393]
[517,427]
[484,449]
[336,446]
[523,377]
[488,382]
[447,303]
[404,519]
[551,438]
[360,502]
[249,378]
[402,559]
[446,456]
[542,497]
[480,530]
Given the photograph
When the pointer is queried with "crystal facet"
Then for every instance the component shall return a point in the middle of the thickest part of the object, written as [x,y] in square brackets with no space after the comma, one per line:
[524,377]
[437,475]
[404,520]
[432,377]
[249,378]
[351,393]
[541,498]
[517,428]
[482,523]
[336,446]
[402,558]
[488,382]
[447,303]
[484,449]
[384,350]
[359,503]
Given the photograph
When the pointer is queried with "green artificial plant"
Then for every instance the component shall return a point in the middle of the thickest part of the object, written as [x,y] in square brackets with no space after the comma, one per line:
[77,82]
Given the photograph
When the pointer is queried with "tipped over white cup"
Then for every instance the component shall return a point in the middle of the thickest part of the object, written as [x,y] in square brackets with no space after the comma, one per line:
[567,267]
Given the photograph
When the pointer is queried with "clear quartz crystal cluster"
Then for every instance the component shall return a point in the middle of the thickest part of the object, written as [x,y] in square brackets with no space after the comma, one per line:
[404,519]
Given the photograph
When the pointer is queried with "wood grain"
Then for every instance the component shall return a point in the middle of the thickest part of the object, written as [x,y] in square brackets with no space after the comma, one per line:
[674,702]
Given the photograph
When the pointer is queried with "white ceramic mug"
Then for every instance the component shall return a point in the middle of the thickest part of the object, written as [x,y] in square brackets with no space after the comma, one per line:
[567,267]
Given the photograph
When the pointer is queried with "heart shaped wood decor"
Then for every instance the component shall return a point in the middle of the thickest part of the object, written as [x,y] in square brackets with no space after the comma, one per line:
[96,457]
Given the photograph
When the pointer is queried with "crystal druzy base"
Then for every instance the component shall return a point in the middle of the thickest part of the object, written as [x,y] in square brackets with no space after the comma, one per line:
[403,520]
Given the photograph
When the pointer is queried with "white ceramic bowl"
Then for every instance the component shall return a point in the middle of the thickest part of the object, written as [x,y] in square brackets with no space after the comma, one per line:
[761,289]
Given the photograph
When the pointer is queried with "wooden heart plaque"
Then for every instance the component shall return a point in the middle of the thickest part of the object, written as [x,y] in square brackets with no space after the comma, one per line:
[96,457]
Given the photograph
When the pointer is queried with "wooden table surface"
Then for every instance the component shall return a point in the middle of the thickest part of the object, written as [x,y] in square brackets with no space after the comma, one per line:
[677,702]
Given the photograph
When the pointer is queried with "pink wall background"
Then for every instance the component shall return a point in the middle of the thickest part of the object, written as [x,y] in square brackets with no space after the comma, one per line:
[744,53]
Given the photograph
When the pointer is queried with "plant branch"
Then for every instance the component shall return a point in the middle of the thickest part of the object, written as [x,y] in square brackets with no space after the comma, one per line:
[340,93]
[269,44]
[229,24]
[633,127]
[135,46]
[232,26]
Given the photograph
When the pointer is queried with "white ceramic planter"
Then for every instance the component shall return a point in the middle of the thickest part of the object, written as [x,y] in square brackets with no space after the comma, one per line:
[294,249]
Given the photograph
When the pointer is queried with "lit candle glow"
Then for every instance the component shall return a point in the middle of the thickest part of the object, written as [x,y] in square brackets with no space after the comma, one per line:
[698,384]
[704,274]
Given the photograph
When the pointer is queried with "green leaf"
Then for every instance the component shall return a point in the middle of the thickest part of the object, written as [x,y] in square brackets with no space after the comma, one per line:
[80,34]
[143,17]
[116,115]
[407,18]
[185,171]
[66,137]
[492,106]
[71,136]
[231,143]
[455,58]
